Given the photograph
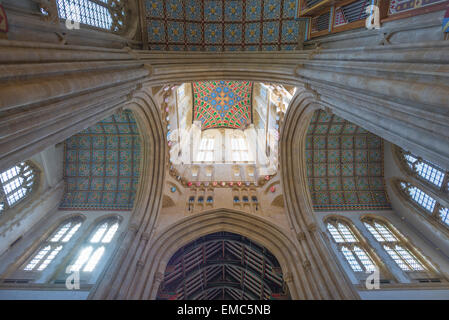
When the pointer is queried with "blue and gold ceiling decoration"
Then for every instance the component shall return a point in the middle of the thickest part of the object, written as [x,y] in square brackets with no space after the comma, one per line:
[222,25]
[102,164]
[344,165]
[222,104]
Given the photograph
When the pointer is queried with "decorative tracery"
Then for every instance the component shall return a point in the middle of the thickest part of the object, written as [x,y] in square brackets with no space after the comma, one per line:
[91,254]
[354,251]
[16,184]
[426,171]
[206,149]
[405,256]
[428,188]
[104,14]
[51,247]
[239,148]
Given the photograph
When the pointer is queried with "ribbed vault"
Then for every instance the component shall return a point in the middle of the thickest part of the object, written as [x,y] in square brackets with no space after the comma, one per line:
[224,266]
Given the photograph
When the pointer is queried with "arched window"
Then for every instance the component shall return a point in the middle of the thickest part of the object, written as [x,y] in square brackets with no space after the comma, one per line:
[51,247]
[425,202]
[239,149]
[425,170]
[401,252]
[16,184]
[350,246]
[429,187]
[419,197]
[104,14]
[91,254]
[206,150]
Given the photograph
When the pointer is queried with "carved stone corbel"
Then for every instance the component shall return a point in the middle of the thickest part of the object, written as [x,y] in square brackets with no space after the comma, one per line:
[288,277]
[301,236]
[312,227]
[306,265]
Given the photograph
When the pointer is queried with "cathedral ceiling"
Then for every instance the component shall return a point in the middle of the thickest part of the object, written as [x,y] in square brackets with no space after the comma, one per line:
[222,25]
[344,165]
[219,104]
[101,165]
[222,266]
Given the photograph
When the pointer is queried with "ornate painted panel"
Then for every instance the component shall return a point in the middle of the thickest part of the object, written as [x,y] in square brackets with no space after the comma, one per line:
[102,164]
[222,25]
[222,104]
[397,6]
[344,165]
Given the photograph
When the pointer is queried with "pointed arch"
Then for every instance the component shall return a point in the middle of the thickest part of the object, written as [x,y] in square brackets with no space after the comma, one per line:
[329,281]
[168,241]
[115,279]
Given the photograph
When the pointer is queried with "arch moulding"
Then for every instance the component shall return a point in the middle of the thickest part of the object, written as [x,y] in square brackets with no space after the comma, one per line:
[167,241]
[328,280]
[116,278]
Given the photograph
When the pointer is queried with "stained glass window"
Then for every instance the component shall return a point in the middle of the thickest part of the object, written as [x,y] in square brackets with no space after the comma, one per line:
[91,254]
[48,251]
[350,246]
[15,184]
[222,104]
[393,244]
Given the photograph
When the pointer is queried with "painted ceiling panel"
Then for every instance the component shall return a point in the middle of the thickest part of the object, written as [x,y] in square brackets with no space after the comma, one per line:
[222,104]
[222,25]
[101,165]
[344,165]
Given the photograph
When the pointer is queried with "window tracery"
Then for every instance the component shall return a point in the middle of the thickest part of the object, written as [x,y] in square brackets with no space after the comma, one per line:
[103,14]
[425,170]
[403,254]
[16,184]
[428,188]
[51,247]
[239,148]
[206,149]
[91,254]
[350,245]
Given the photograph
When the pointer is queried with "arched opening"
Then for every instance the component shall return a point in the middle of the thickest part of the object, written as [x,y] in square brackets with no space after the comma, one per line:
[223,266]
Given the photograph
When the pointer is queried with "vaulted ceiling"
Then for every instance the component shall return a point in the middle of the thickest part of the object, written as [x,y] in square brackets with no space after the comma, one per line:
[220,104]
[344,165]
[222,266]
[222,25]
[101,165]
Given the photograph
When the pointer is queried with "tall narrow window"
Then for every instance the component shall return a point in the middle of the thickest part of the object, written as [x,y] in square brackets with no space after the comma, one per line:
[48,251]
[419,197]
[239,149]
[350,246]
[432,194]
[16,184]
[394,245]
[444,215]
[91,254]
[206,150]
[425,169]
[96,13]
